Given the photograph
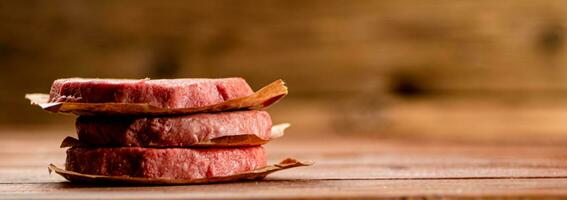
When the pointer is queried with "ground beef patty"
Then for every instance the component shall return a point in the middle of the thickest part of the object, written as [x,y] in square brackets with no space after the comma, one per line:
[176,163]
[171,131]
[164,93]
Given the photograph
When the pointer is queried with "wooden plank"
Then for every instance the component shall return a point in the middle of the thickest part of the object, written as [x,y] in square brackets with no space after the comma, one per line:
[300,189]
[346,167]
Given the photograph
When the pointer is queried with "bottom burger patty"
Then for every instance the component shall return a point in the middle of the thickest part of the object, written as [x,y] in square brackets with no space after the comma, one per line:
[178,163]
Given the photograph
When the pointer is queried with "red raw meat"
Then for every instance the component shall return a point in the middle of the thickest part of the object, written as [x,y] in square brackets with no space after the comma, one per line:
[171,131]
[172,163]
[164,93]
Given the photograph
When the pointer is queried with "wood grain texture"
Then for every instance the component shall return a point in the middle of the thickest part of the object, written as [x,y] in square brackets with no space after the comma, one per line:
[365,50]
[344,168]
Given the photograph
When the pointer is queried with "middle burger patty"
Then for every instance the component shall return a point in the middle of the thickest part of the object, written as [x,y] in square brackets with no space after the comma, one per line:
[171,131]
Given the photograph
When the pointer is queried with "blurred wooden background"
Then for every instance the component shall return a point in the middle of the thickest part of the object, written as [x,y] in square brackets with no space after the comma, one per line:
[462,70]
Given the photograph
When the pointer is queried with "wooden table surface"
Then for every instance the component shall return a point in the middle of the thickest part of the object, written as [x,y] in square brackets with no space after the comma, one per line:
[344,168]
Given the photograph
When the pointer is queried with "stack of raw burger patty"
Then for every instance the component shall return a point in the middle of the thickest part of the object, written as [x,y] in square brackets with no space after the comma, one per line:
[163,146]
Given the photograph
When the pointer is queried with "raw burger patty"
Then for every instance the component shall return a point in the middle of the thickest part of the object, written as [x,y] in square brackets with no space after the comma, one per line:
[164,93]
[172,131]
[173,163]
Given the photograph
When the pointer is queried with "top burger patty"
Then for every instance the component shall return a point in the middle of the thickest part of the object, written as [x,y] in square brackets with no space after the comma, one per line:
[164,93]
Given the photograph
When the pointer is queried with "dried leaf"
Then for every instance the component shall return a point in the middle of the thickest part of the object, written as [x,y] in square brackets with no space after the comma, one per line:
[127,180]
[262,98]
[225,141]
